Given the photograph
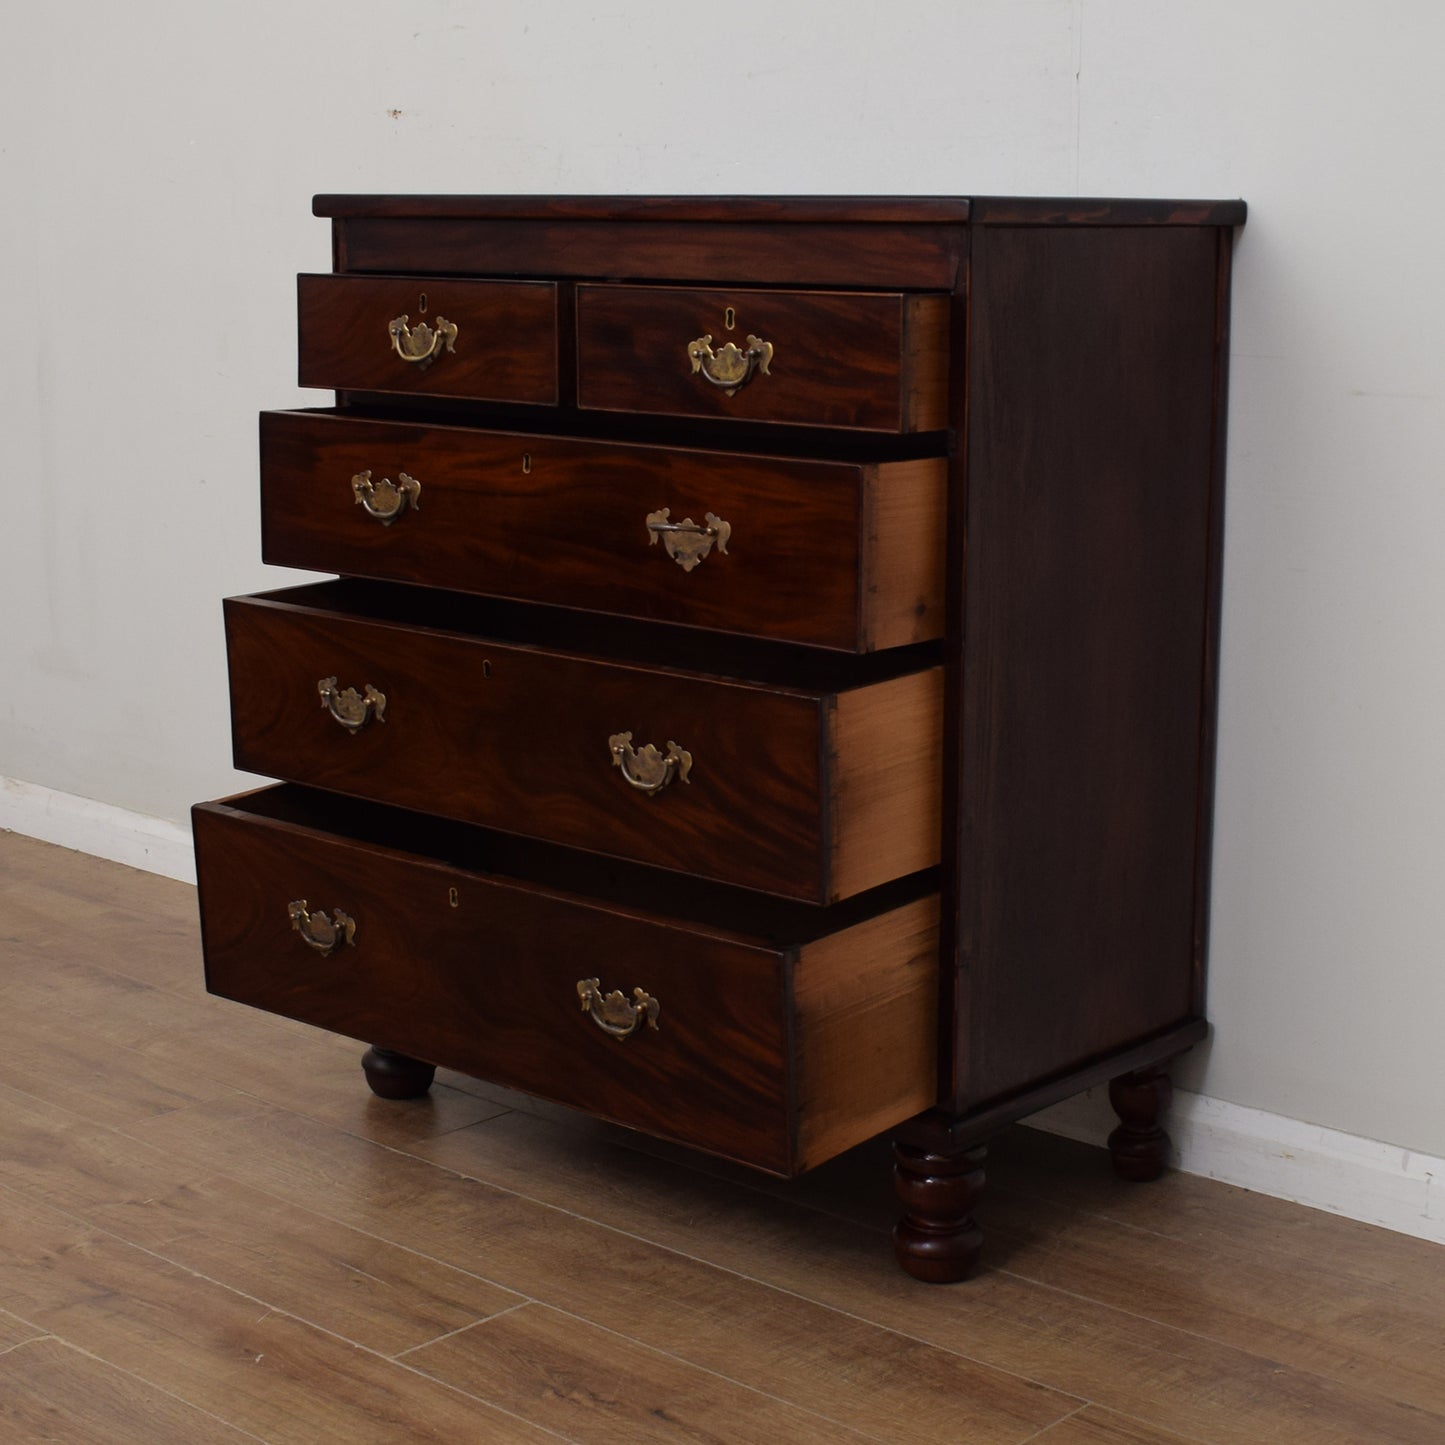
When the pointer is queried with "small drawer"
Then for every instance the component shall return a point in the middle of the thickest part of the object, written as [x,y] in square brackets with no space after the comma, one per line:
[778,1036]
[832,554]
[786,775]
[430,336]
[870,361]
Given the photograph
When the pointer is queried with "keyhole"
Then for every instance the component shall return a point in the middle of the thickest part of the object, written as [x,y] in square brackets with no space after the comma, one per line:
[452,898]
[730,317]
[421,305]
[486,667]
[526,463]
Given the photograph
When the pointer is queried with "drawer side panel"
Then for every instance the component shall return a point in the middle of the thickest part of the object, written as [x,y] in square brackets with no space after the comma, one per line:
[866,1003]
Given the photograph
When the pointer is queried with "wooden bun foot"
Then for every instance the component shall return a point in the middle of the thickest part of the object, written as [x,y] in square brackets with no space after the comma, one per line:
[937,1239]
[395,1076]
[1139,1147]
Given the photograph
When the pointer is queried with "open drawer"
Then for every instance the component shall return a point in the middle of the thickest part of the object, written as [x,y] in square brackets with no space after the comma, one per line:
[811,776]
[769,1032]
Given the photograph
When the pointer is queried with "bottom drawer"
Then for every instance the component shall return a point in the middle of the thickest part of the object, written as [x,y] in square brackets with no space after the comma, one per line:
[770,1032]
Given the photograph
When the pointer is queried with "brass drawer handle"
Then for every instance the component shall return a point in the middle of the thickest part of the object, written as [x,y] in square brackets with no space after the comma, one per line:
[352,709]
[612,1013]
[646,769]
[730,368]
[386,500]
[320,932]
[687,543]
[422,344]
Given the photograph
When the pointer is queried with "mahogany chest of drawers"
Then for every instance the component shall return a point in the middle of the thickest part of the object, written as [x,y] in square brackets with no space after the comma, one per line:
[767,696]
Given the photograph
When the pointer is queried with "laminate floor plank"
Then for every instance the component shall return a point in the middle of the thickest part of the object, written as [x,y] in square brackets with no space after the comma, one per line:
[145,925]
[1374,1317]
[14,1331]
[50,1391]
[189,1184]
[319,1075]
[354,1285]
[1212,1215]
[363,1288]
[594,1385]
[70,991]
[261,1370]
[185,1047]
[1320,1320]
[876,1379]
[1151,1369]
[106,1082]
[1093,1426]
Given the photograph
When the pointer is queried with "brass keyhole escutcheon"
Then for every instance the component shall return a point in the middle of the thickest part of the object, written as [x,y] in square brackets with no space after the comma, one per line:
[421,303]
[452,898]
[526,463]
[730,318]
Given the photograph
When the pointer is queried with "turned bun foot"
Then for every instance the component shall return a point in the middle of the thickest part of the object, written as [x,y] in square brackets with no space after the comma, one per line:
[1139,1147]
[937,1240]
[395,1076]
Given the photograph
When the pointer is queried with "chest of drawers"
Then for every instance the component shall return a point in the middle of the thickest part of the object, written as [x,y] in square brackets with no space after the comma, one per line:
[767,696]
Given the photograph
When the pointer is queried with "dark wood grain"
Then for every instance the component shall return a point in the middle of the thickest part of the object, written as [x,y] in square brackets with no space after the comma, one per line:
[785,253]
[841,359]
[539,518]
[1059,211]
[886,210]
[1204,816]
[390,1075]
[516,738]
[505,350]
[1139,1147]
[938,1240]
[878,210]
[490,984]
[1047,373]
[1090,482]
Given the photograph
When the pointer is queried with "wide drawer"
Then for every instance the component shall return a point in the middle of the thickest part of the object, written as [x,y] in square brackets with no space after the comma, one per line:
[779,1039]
[817,789]
[834,554]
[873,361]
[430,336]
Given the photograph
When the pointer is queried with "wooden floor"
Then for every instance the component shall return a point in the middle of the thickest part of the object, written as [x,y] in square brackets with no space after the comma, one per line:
[210,1230]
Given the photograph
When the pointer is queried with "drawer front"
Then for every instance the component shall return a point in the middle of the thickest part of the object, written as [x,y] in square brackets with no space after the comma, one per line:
[829,554]
[765,1054]
[430,336]
[791,792]
[872,361]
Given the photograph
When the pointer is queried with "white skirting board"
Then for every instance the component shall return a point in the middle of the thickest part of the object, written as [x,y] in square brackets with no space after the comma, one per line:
[135,839]
[1359,1178]
[1323,1168]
